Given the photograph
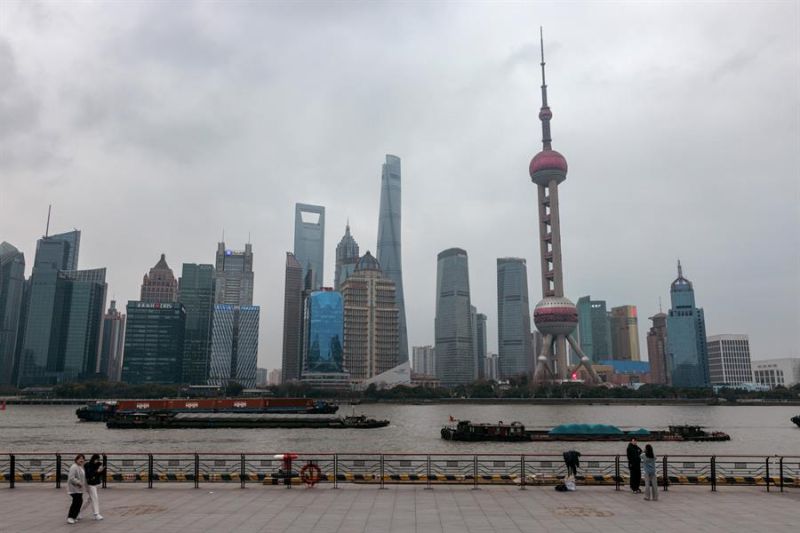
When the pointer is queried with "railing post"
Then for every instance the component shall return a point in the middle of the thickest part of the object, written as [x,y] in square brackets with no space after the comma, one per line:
[475,472]
[780,471]
[666,475]
[197,470]
[522,471]
[382,471]
[616,474]
[12,470]
[713,473]
[428,473]
[242,473]
[767,474]
[149,470]
[105,470]
[58,470]
[336,471]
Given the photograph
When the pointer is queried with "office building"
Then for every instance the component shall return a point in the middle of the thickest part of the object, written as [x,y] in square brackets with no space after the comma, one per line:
[481,342]
[112,344]
[234,275]
[197,291]
[424,360]
[594,328]
[346,258]
[309,241]
[389,241]
[324,361]
[59,252]
[371,322]
[492,367]
[624,333]
[729,359]
[159,285]
[687,353]
[262,377]
[292,359]
[456,357]
[657,350]
[234,345]
[513,318]
[154,341]
[274,377]
[781,372]
[12,289]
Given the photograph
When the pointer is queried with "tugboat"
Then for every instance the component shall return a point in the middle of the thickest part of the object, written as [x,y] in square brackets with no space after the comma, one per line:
[796,420]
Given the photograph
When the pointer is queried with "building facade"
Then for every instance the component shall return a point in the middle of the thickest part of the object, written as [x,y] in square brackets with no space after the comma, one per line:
[491,369]
[324,359]
[309,241]
[781,372]
[625,333]
[481,343]
[594,328]
[347,257]
[12,288]
[274,377]
[424,360]
[197,292]
[159,285]
[687,353]
[657,350]
[371,321]
[112,344]
[389,241]
[234,345]
[292,359]
[513,318]
[729,359]
[456,359]
[234,275]
[154,341]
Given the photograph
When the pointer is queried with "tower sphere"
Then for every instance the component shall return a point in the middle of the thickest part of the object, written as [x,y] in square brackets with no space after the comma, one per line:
[548,165]
[555,315]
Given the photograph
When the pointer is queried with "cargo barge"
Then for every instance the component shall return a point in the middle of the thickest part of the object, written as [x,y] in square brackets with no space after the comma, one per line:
[171,420]
[103,411]
[796,420]
[465,430]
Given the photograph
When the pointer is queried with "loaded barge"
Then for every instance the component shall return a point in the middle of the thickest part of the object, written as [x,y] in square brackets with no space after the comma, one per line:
[104,411]
[465,430]
[171,420]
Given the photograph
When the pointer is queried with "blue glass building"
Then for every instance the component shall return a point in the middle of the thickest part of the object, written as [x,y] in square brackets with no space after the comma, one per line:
[325,331]
[687,353]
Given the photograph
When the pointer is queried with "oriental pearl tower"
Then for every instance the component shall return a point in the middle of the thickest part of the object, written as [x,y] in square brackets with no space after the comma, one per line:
[555,316]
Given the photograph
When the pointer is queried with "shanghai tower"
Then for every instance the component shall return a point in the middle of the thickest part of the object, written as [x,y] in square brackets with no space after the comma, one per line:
[389,241]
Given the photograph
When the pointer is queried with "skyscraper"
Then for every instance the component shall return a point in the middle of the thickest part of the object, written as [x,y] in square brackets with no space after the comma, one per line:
[112,344]
[59,251]
[346,258]
[729,359]
[513,318]
[657,349]
[309,241]
[292,360]
[159,285]
[154,343]
[234,345]
[594,328]
[389,241]
[481,343]
[687,353]
[234,275]
[196,291]
[12,285]
[371,323]
[456,362]
[555,316]
[323,342]
[625,333]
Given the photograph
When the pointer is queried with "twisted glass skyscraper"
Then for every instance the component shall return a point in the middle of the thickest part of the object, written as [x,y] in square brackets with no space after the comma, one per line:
[388,253]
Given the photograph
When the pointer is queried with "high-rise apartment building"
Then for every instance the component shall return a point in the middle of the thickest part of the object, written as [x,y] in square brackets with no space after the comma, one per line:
[657,350]
[292,359]
[625,333]
[234,345]
[513,318]
[594,328]
[154,343]
[729,359]
[309,241]
[346,258]
[197,292]
[159,285]
[687,353]
[371,321]
[456,362]
[323,355]
[424,360]
[234,275]
[112,344]
[12,288]
[389,241]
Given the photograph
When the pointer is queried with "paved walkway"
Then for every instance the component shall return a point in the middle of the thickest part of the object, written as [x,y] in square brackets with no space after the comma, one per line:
[355,508]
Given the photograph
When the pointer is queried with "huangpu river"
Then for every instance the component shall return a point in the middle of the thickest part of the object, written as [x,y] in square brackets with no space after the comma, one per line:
[754,430]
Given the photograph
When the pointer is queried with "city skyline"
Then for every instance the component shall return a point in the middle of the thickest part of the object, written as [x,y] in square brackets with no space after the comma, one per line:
[719,216]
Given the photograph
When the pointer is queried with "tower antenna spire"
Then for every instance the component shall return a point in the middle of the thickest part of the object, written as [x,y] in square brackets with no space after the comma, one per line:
[680,269]
[544,113]
[47,227]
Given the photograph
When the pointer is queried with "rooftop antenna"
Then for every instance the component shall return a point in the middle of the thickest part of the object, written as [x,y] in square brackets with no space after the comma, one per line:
[659,305]
[248,238]
[223,235]
[47,228]
[544,113]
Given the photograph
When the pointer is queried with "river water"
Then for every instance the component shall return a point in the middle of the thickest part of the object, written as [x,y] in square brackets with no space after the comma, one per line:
[754,430]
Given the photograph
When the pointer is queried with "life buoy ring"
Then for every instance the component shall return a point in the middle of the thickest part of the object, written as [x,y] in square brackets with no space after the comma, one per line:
[310,474]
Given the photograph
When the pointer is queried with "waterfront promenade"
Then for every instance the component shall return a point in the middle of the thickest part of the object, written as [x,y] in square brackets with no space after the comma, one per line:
[365,508]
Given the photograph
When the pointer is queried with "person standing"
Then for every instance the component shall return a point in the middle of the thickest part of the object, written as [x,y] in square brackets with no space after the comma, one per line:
[76,485]
[650,478]
[94,476]
[635,465]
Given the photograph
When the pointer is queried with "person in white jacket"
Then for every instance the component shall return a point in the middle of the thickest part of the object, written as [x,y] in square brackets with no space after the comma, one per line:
[76,486]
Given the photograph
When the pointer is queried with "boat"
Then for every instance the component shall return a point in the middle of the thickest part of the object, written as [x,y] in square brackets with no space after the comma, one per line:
[465,430]
[103,411]
[796,420]
[172,420]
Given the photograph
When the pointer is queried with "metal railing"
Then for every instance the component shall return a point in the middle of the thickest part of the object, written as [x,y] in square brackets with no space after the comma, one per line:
[772,472]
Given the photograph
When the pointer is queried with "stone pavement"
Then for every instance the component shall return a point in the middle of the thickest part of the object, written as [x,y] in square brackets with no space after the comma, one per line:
[361,508]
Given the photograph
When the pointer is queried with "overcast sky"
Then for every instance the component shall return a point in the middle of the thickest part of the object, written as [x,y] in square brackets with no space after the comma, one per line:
[151,126]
